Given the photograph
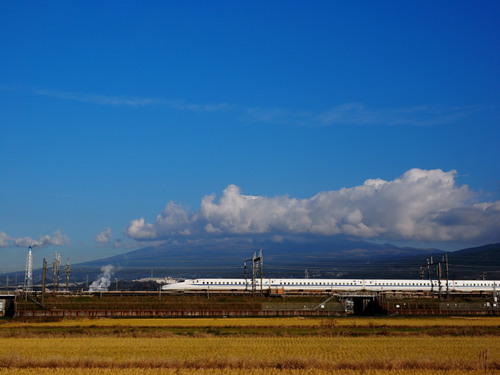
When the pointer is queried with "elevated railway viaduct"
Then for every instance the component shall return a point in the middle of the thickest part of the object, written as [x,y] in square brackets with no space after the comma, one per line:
[234,304]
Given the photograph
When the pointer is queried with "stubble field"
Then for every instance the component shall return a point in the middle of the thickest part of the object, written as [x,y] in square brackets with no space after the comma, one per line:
[252,346]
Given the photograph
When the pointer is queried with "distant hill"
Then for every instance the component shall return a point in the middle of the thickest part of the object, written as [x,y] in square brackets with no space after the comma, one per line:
[470,263]
[338,257]
[482,261]
[334,257]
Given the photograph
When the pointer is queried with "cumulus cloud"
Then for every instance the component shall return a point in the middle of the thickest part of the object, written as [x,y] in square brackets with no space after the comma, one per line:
[424,205]
[4,239]
[56,239]
[173,220]
[104,236]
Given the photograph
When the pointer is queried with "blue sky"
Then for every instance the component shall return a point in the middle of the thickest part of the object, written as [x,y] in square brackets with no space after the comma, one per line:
[109,111]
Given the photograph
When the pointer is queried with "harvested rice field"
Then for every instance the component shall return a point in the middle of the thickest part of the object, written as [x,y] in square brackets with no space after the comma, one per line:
[252,346]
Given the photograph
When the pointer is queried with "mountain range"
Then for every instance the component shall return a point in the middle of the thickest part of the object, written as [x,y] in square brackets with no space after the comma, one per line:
[336,257]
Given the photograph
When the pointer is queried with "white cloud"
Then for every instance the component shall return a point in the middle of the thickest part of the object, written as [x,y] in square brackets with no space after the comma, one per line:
[98,99]
[56,239]
[423,115]
[422,205]
[173,220]
[345,113]
[359,114]
[4,239]
[104,236]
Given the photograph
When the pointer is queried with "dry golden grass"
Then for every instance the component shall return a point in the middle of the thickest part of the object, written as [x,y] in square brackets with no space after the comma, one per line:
[135,371]
[321,353]
[269,322]
[63,371]
[207,354]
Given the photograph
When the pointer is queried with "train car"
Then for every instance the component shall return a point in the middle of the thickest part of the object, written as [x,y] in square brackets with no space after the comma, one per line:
[331,285]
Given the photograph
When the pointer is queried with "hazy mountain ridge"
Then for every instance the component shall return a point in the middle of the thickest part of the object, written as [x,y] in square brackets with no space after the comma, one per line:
[338,258]
[327,258]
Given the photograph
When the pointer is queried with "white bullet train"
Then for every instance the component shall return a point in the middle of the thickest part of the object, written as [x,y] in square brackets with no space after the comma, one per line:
[334,285]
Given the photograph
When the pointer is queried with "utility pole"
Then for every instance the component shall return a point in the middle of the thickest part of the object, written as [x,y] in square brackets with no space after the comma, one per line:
[495,298]
[429,262]
[257,271]
[67,270]
[44,279]
[447,270]
[439,272]
[56,270]
[439,279]
[245,275]
[261,270]
[28,277]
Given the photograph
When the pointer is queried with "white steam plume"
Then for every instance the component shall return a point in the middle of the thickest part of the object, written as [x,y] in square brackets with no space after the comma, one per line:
[103,280]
